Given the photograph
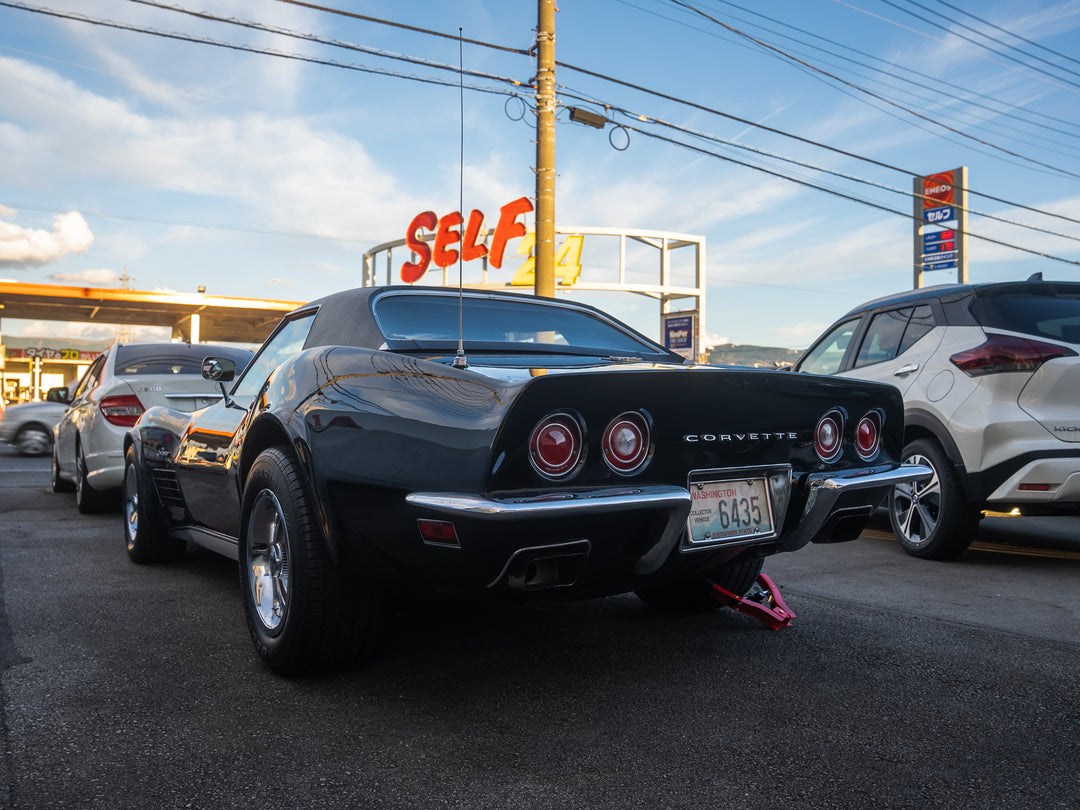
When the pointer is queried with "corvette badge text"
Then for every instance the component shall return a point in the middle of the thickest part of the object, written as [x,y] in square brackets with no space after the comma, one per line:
[691,438]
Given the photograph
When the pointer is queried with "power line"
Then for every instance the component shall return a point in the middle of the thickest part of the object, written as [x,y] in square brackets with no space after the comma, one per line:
[945,42]
[403,26]
[967,27]
[923,81]
[803,164]
[1010,33]
[493,90]
[481,43]
[282,54]
[856,87]
[836,193]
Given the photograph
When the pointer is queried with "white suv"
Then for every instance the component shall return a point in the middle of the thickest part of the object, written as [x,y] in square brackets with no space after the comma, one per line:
[990,375]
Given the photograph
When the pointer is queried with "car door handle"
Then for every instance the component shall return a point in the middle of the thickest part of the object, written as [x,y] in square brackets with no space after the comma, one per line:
[905,370]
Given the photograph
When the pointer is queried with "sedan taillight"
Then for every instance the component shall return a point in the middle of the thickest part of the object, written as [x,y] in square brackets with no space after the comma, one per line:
[123,410]
[1001,353]
[626,443]
[555,445]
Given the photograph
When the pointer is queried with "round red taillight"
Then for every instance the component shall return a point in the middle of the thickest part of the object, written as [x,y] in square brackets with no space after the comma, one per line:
[868,436]
[626,443]
[829,436]
[555,445]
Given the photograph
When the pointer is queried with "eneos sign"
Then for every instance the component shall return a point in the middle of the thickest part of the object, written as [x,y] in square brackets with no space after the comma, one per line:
[937,190]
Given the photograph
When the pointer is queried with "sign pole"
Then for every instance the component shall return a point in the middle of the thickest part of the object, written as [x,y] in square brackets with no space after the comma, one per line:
[961,225]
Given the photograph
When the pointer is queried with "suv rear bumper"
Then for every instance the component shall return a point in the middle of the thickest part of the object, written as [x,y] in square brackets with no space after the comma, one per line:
[1044,481]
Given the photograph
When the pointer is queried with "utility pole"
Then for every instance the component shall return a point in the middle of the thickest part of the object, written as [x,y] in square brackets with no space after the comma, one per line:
[545,149]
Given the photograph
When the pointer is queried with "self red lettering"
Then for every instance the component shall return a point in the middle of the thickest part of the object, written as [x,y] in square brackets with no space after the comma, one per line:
[470,249]
[442,255]
[411,271]
[508,228]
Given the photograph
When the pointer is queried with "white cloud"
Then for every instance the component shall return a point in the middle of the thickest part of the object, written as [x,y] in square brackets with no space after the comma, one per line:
[294,176]
[28,247]
[99,277]
[713,339]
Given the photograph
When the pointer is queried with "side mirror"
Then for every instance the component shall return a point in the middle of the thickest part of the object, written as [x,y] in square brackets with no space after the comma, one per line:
[60,394]
[218,369]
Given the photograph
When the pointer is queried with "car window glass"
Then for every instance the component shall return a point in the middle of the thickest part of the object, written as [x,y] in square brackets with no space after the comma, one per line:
[882,340]
[172,359]
[826,356]
[430,318]
[921,324]
[91,377]
[1054,314]
[286,342]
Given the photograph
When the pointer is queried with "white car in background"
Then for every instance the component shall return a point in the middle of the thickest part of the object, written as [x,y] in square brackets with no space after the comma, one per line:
[29,425]
[121,383]
[990,375]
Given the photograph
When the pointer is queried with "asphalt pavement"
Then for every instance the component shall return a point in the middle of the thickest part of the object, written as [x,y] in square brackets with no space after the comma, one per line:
[902,683]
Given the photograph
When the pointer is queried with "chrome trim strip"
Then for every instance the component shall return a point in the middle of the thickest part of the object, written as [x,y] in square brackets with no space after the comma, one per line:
[210,540]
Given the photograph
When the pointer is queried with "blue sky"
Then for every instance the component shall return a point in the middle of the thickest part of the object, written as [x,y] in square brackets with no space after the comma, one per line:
[187,164]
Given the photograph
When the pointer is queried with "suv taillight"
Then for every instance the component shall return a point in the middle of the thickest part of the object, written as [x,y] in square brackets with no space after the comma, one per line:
[123,410]
[1002,353]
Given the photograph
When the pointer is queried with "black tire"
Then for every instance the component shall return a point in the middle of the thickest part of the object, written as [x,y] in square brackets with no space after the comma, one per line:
[304,616]
[932,519]
[88,500]
[59,483]
[33,440]
[145,533]
[695,595]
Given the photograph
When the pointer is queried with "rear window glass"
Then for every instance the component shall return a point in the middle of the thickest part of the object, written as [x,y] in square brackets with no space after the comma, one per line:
[172,358]
[432,319]
[1053,314]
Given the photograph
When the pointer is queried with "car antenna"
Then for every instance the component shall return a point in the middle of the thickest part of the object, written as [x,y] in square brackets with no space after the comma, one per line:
[459,358]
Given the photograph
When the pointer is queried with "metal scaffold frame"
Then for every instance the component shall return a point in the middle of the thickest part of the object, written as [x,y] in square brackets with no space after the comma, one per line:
[381,261]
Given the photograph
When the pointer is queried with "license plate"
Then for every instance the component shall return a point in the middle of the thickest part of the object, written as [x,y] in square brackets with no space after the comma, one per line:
[729,510]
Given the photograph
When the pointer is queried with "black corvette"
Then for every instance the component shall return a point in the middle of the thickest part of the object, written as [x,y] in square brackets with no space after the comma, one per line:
[387,439]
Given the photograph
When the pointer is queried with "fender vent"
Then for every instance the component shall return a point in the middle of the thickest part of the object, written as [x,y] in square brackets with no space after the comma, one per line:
[168,488]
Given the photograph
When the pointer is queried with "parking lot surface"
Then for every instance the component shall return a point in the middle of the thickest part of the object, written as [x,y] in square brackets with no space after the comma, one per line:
[902,683]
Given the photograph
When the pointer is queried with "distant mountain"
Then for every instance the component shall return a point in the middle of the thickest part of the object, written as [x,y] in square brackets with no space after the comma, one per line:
[733,354]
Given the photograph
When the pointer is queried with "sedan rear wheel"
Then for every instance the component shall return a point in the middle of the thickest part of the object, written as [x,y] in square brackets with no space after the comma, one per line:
[932,518]
[59,483]
[695,595]
[302,613]
[33,440]
[87,499]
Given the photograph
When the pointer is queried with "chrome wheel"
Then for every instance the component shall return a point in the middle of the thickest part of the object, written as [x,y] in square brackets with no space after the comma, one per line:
[131,506]
[917,506]
[268,560]
[33,441]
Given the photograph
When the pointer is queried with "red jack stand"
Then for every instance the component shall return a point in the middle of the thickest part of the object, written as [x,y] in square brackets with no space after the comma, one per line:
[763,602]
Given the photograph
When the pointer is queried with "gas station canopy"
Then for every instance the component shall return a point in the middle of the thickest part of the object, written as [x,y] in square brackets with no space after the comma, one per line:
[197,318]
